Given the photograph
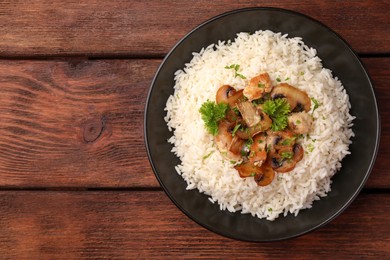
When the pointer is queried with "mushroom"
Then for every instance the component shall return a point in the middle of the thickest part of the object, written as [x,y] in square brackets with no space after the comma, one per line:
[266,177]
[285,159]
[249,113]
[263,175]
[247,169]
[258,86]
[300,123]
[264,124]
[227,94]
[297,99]
[225,141]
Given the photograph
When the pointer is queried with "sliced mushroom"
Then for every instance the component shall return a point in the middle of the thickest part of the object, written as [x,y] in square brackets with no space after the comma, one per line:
[258,152]
[297,99]
[258,86]
[279,139]
[249,113]
[226,143]
[282,163]
[266,177]
[300,123]
[224,93]
[247,169]
[264,124]
[227,94]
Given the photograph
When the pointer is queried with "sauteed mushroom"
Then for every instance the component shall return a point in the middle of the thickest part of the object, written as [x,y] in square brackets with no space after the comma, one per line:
[297,99]
[225,141]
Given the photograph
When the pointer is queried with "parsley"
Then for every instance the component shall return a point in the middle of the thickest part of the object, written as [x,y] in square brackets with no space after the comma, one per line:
[310,147]
[287,155]
[261,85]
[302,73]
[235,129]
[212,113]
[233,162]
[298,122]
[316,104]
[253,174]
[278,79]
[270,210]
[235,67]
[277,109]
[287,79]
[236,111]
[207,155]
[288,141]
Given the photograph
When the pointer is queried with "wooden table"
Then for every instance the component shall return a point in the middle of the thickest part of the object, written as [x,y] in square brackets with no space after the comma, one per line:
[74,175]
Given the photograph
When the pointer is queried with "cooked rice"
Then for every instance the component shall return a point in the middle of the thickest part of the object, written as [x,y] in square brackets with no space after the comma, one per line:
[202,165]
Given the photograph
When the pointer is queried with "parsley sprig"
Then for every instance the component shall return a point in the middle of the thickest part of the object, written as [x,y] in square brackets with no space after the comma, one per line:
[235,67]
[278,110]
[212,113]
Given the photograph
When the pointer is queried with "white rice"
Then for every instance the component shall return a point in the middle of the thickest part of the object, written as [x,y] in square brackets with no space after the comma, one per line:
[290,60]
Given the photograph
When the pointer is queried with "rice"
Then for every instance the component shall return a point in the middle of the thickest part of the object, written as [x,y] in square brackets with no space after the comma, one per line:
[285,59]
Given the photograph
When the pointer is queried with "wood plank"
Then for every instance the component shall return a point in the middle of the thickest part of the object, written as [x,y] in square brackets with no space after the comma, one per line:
[52,111]
[118,27]
[129,225]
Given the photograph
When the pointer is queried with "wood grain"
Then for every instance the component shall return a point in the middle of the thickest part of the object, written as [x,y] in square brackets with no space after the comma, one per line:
[79,123]
[130,225]
[137,28]
[74,123]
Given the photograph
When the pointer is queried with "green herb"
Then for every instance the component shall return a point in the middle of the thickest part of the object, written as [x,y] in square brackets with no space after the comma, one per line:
[298,122]
[268,149]
[253,174]
[260,141]
[278,110]
[316,105]
[302,73]
[288,141]
[212,113]
[235,67]
[251,154]
[287,155]
[310,148]
[261,85]
[233,162]
[287,79]
[207,155]
[270,210]
[278,79]
[323,117]
[236,111]
[235,129]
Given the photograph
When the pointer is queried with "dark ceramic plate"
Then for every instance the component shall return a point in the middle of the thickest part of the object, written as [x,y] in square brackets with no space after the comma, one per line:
[336,55]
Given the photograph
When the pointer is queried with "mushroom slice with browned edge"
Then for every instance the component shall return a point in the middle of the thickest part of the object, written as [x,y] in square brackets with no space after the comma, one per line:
[227,94]
[226,143]
[249,113]
[266,177]
[297,99]
[264,124]
[285,159]
[247,169]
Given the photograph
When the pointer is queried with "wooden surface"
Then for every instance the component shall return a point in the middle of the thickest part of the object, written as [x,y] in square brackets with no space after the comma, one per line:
[75,181]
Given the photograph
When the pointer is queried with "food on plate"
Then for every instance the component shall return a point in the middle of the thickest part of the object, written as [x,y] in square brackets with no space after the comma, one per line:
[259,125]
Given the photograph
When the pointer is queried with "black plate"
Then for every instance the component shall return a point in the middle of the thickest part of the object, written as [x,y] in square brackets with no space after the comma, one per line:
[336,55]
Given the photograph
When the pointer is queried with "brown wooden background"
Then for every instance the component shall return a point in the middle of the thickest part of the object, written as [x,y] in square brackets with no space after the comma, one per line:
[70,190]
